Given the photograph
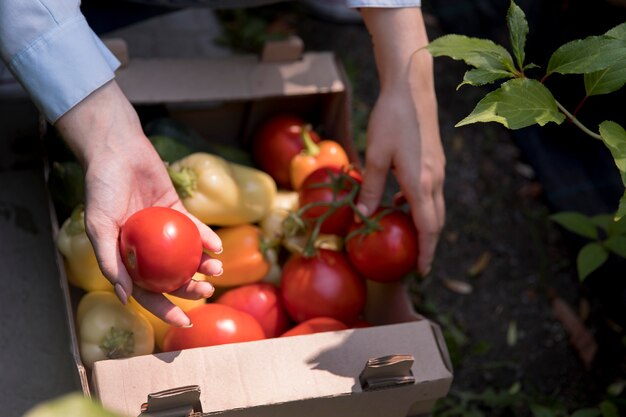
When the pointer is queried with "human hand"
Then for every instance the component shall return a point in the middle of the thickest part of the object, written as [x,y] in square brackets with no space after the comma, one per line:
[412,150]
[403,131]
[123,174]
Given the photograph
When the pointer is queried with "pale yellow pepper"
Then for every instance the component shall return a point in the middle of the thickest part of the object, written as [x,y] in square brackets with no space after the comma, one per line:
[78,255]
[107,329]
[222,193]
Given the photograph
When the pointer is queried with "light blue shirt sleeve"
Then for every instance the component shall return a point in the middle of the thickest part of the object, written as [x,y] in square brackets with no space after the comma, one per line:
[384,3]
[53,53]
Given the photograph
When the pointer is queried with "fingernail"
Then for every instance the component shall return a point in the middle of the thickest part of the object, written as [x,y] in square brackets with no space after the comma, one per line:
[187,326]
[121,293]
[220,250]
[221,271]
[363,210]
[208,294]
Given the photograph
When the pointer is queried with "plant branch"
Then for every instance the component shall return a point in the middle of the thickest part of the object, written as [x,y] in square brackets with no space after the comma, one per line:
[578,122]
[580,105]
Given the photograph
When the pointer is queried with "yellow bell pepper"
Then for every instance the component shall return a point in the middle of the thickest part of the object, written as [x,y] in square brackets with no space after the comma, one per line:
[107,329]
[222,193]
[159,326]
[78,255]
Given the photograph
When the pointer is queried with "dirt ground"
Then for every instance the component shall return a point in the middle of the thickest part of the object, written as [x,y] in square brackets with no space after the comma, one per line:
[502,328]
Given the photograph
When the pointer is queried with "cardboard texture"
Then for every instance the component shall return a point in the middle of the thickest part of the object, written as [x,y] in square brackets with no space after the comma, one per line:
[313,375]
[302,369]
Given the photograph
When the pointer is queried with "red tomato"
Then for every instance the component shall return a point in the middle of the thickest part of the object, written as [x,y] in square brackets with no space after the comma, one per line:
[388,254]
[315,325]
[276,142]
[262,302]
[161,248]
[213,324]
[324,285]
[328,184]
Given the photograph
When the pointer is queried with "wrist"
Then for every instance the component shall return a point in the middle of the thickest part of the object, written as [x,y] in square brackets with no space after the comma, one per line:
[104,122]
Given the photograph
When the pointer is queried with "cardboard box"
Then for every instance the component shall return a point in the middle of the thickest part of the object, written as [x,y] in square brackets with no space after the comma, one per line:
[326,374]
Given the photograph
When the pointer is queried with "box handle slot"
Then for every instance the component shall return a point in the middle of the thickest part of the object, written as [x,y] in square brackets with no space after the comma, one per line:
[387,372]
[175,402]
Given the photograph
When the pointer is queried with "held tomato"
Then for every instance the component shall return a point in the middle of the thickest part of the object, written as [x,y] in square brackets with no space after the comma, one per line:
[387,254]
[161,248]
[323,285]
[213,324]
[329,184]
[315,325]
[262,302]
[276,142]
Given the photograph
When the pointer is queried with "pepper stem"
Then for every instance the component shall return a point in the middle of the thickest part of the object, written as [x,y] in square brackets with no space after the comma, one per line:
[310,147]
[118,343]
[184,181]
[76,225]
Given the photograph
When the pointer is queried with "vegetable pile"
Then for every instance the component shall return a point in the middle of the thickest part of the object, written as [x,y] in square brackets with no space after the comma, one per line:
[296,257]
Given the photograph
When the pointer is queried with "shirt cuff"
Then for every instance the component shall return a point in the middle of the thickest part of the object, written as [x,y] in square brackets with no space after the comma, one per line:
[384,3]
[63,67]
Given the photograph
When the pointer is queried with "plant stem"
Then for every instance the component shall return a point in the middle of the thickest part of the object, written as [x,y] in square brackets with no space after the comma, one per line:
[580,105]
[577,122]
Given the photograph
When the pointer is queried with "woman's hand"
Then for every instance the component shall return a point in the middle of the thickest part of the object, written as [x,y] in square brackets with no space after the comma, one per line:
[403,131]
[123,174]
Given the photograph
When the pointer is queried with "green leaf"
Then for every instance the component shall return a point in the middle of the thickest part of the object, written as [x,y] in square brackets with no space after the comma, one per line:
[576,223]
[531,66]
[607,80]
[616,388]
[590,258]
[480,76]
[616,227]
[614,137]
[621,210]
[541,411]
[608,409]
[602,220]
[586,412]
[516,104]
[616,244]
[618,32]
[518,29]
[479,53]
[583,56]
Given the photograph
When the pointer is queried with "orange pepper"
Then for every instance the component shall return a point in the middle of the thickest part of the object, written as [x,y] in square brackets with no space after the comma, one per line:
[243,256]
[314,156]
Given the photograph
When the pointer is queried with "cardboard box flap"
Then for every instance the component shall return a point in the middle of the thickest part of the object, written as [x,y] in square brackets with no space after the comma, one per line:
[154,81]
[292,369]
